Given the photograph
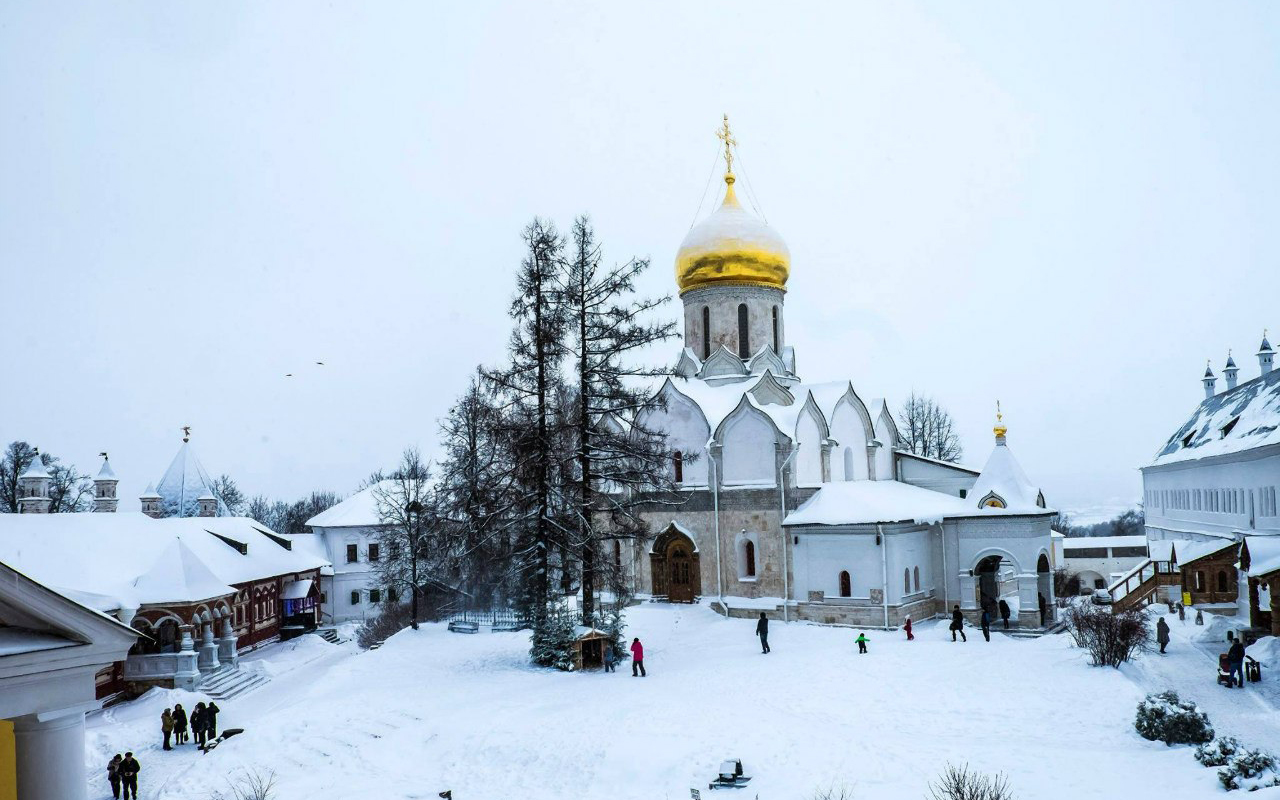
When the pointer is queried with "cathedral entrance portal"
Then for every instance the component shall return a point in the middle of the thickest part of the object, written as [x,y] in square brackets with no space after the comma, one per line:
[675,567]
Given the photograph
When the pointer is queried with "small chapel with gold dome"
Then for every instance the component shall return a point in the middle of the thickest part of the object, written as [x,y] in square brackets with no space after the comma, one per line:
[795,498]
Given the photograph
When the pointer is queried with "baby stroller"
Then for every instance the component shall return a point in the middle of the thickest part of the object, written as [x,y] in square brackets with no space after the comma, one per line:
[1252,670]
[1224,671]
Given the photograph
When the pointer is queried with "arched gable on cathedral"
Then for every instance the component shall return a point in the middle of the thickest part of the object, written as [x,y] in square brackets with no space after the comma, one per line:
[722,364]
[767,360]
[688,365]
[851,427]
[770,391]
[750,441]
[811,438]
[687,430]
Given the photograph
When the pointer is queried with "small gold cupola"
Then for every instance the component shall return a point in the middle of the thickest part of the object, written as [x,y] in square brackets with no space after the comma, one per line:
[732,246]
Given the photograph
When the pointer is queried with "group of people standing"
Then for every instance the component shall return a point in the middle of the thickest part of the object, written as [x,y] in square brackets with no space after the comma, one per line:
[203,724]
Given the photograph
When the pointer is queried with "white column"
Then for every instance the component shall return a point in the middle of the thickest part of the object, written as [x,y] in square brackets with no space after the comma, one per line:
[968,592]
[208,649]
[1029,600]
[50,757]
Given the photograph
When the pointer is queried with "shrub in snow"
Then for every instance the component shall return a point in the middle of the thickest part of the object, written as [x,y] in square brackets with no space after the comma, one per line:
[961,783]
[249,785]
[1166,718]
[1110,639]
[1218,752]
[393,619]
[1249,769]
[833,792]
[553,640]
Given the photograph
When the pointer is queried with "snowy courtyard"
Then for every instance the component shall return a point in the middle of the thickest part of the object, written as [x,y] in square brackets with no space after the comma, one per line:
[433,710]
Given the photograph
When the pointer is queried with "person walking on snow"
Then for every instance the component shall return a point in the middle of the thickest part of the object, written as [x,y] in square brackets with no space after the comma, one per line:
[1235,661]
[906,626]
[610,658]
[862,643]
[1162,634]
[957,624]
[637,658]
[113,775]
[129,770]
[986,624]
[762,630]
[1004,613]
[179,723]
[166,727]
[211,720]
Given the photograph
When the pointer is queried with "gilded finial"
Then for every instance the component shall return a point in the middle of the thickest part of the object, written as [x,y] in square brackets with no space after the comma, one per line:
[1000,429]
[186,433]
[726,136]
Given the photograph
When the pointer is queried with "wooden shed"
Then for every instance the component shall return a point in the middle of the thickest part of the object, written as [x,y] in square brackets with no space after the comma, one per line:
[589,645]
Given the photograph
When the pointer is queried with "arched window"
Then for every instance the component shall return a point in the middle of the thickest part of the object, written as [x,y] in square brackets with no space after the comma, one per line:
[846,586]
[906,581]
[744,349]
[777,347]
[706,333]
[677,461]
[916,573]
[848,463]
[617,554]
[1222,580]
[1199,581]
[750,553]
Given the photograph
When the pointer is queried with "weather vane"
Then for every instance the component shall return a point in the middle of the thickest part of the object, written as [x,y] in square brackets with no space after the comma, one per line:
[726,136]
[186,433]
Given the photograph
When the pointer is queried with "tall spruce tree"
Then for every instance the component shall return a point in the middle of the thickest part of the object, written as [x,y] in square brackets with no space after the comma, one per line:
[474,491]
[617,459]
[530,387]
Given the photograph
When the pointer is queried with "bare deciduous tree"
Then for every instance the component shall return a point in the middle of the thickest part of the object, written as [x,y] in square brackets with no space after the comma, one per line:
[410,528]
[926,429]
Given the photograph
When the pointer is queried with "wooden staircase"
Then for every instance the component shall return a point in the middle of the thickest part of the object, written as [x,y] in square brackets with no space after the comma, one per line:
[1141,585]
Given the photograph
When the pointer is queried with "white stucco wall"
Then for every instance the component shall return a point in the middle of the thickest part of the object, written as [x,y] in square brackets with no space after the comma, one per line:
[348,577]
[1213,496]
[687,432]
[808,461]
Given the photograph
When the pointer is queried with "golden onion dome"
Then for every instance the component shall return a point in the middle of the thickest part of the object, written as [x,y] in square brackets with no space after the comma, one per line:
[732,246]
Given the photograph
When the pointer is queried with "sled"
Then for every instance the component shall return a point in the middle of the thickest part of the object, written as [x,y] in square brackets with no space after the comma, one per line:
[730,776]
[227,734]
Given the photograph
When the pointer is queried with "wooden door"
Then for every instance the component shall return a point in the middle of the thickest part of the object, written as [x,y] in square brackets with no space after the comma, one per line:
[679,574]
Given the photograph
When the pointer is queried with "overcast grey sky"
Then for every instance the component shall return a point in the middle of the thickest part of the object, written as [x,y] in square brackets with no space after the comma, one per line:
[1065,206]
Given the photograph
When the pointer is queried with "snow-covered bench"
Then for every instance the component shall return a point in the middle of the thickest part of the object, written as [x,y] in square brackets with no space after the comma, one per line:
[464,627]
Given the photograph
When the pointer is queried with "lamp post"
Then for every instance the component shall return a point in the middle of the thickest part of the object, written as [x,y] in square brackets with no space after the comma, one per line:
[414,510]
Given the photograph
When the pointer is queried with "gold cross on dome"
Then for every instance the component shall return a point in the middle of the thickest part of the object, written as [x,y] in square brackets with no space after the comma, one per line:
[726,136]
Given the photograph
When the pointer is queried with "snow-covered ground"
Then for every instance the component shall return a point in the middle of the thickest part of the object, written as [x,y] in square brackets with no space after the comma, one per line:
[432,710]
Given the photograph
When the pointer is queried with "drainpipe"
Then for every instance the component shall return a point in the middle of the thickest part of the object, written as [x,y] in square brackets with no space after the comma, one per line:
[884,570]
[946,578]
[782,491]
[715,495]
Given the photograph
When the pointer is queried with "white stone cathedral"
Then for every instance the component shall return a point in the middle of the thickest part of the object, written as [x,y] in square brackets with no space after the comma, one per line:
[797,490]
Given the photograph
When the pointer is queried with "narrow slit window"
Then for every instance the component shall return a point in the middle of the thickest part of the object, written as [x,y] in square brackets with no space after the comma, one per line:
[744,349]
[706,333]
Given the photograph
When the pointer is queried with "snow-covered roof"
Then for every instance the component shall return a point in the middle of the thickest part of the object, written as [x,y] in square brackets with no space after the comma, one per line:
[1239,419]
[1264,554]
[184,482]
[36,468]
[1186,551]
[106,473]
[864,502]
[126,560]
[1160,549]
[296,590]
[1105,541]
[360,510]
[1003,478]
[938,461]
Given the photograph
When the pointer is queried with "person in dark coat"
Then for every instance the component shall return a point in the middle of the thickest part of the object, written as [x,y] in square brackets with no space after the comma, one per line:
[957,624]
[1044,609]
[762,630]
[1004,614]
[166,726]
[637,658]
[197,724]
[180,723]
[1162,634]
[986,624]
[1235,661]
[129,770]
[113,775]
[610,658]
[906,626]
[211,720]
